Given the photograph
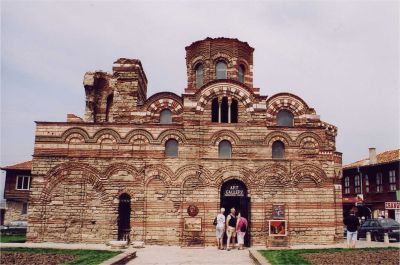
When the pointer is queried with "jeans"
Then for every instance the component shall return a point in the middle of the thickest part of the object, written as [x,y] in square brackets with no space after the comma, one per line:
[351,236]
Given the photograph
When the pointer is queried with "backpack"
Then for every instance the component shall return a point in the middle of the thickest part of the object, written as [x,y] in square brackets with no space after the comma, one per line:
[215,221]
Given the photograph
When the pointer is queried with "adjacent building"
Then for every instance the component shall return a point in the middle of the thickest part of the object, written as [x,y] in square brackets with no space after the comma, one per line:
[158,168]
[16,193]
[373,185]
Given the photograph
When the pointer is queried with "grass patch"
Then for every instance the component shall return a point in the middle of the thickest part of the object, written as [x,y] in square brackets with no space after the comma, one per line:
[85,257]
[13,239]
[292,256]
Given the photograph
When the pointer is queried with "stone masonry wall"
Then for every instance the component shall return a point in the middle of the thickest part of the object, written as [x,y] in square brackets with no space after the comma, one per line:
[82,167]
[14,212]
[76,199]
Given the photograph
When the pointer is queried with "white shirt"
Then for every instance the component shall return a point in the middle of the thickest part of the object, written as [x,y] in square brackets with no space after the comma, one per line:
[220,220]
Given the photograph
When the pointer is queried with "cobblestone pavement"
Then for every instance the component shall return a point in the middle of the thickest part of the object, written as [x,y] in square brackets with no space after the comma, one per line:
[164,255]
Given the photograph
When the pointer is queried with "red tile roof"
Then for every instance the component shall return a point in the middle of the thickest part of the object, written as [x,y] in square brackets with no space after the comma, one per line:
[27,165]
[385,157]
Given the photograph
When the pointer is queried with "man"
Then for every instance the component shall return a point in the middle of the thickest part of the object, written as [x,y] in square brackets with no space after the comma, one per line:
[352,223]
[220,229]
[231,229]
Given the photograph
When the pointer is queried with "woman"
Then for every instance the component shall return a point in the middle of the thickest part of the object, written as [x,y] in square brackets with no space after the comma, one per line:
[220,229]
[241,229]
[231,229]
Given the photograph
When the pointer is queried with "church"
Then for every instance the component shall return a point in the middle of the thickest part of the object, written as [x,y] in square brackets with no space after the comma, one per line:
[157,169]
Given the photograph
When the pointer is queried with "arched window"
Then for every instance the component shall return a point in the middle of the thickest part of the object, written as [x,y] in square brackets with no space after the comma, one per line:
[214,110]
[224,149]
[108,106]
[234,111]
[241,73]
[278,150]
[171,148]
[224,110]
[199,75]
[284,118]
[165,116]
[221,70]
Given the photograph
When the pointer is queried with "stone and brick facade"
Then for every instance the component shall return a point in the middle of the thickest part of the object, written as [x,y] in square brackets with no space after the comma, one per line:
[90,174]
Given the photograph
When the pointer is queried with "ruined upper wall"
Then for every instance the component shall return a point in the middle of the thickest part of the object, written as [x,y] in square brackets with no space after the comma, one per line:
[114,97]
[209,52]
[121,96]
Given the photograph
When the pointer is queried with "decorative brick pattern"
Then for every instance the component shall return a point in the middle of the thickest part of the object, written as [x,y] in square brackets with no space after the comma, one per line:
[81,168]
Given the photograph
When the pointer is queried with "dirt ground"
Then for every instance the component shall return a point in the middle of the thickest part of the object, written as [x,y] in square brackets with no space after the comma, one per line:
[384,257]
[21,258]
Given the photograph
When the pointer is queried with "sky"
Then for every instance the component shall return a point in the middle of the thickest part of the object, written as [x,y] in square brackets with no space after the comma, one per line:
[341,57]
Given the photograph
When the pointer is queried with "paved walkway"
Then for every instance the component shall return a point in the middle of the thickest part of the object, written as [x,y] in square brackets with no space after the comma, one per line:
[174,255]
[164,255]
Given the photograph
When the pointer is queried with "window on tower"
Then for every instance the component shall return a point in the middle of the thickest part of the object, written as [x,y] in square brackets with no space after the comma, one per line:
[199,75]
[241,73]
[221,70]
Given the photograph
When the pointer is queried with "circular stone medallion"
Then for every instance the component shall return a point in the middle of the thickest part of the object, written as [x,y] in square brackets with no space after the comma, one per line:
[192,210]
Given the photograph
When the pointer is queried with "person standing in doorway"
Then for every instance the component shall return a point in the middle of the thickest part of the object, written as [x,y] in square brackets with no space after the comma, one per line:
[352,223]
[241,229]
[220,228]
[231,229]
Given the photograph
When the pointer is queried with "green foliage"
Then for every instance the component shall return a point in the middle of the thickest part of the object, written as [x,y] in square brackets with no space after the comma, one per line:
[85,257]
[284,257]
[292,256]
[12,238]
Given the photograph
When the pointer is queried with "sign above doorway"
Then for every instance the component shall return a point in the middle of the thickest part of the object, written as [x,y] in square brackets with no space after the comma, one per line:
[234,191]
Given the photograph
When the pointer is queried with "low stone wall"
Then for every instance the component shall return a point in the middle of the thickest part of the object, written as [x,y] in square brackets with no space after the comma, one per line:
[14,212]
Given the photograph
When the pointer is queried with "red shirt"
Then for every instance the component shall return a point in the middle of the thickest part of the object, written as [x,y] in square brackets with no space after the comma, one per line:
[242,222]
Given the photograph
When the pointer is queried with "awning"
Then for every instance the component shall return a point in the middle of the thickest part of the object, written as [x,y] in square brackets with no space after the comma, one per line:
[356,199]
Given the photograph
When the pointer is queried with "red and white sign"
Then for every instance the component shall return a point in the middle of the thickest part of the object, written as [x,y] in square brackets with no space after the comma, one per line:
[392,205]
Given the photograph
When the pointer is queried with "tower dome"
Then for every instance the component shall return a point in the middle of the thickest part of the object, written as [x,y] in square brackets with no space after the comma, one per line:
[218,59]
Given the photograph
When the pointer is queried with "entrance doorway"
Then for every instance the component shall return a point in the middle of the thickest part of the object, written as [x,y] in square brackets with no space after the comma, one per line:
[234,195]
[124,217]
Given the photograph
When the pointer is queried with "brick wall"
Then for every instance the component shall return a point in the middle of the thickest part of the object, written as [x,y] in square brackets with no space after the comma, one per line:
[80,168]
